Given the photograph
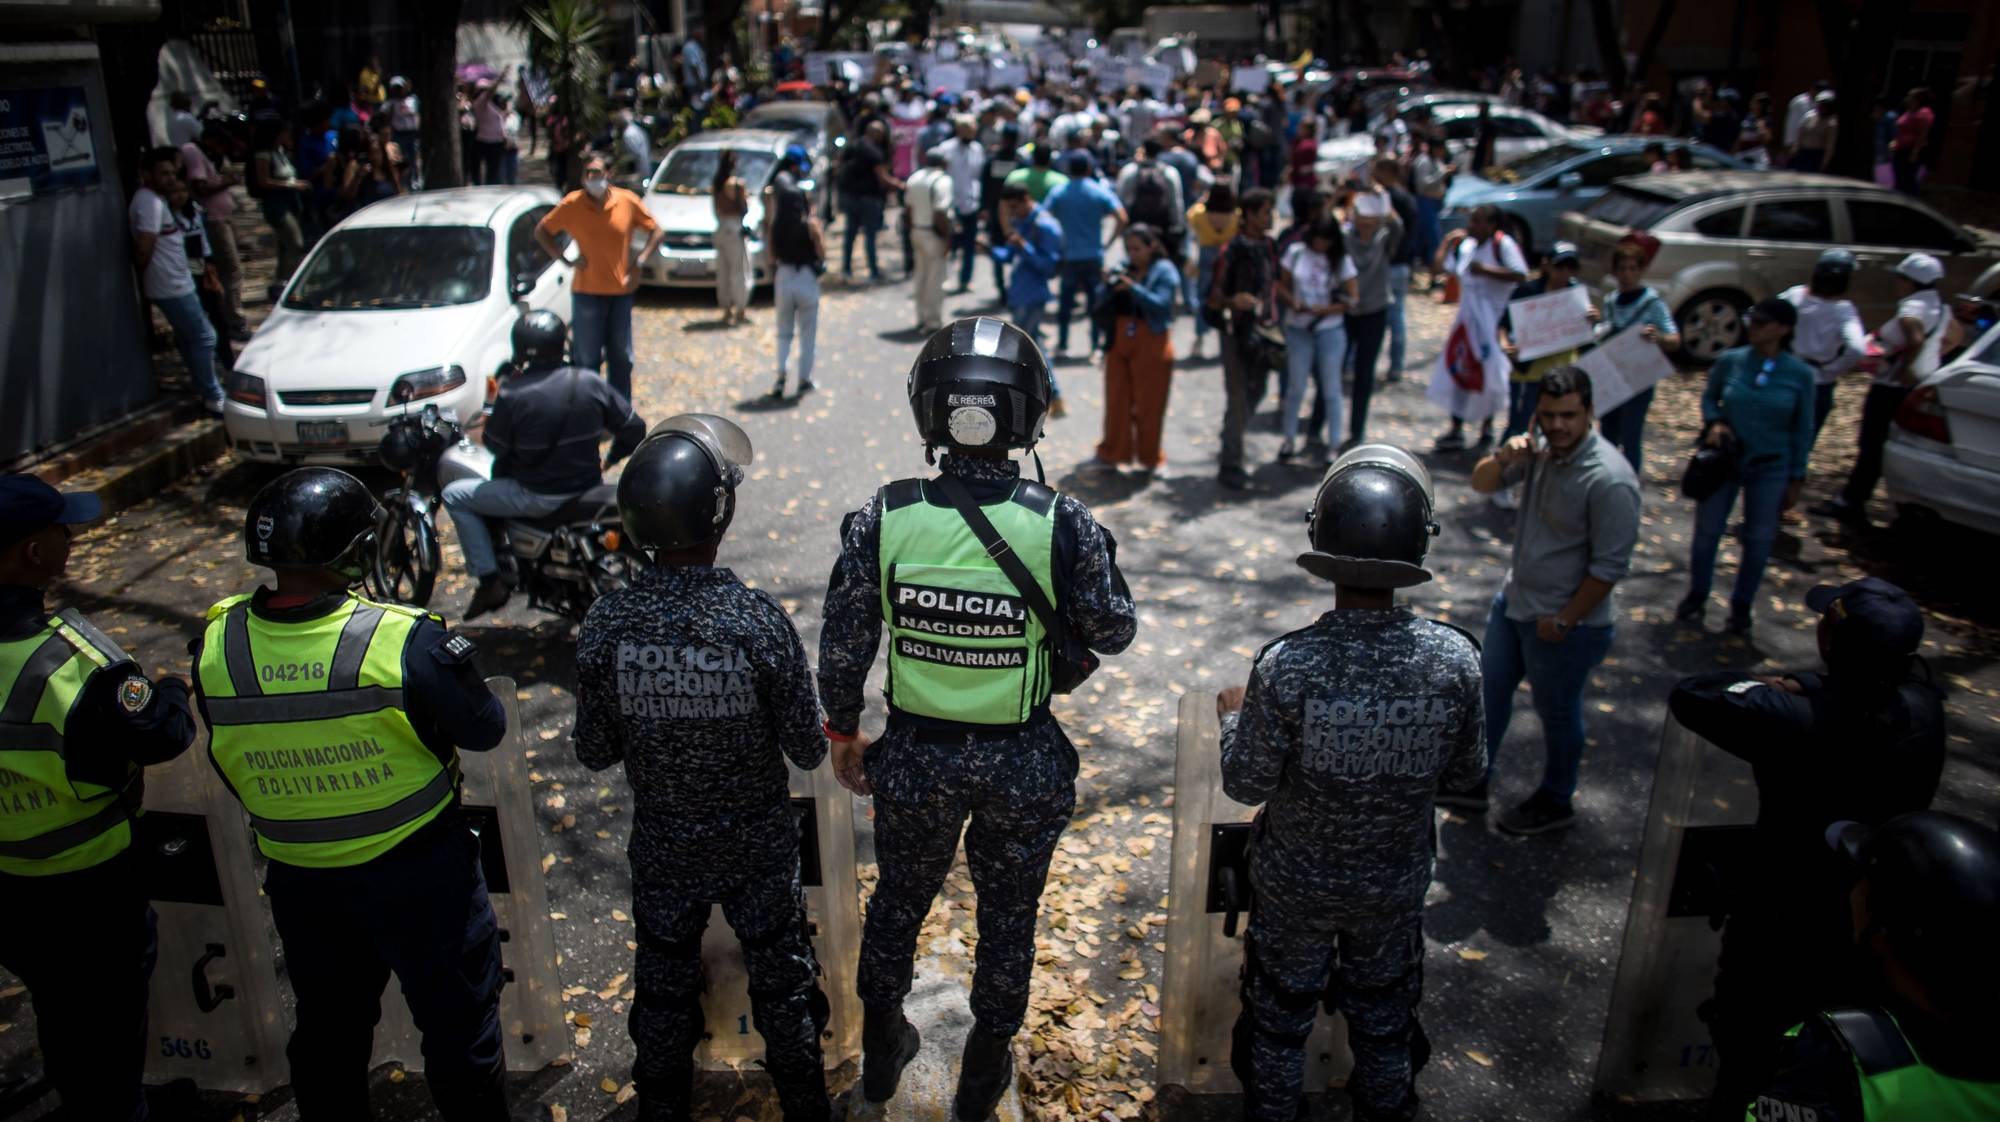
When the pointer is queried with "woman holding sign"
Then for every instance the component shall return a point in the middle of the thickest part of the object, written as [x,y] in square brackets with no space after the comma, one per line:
[1760,395]
[1636,307]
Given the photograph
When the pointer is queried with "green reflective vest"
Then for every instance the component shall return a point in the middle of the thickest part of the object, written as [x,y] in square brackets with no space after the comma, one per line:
[963,644]
[1896,1086]
[306,724]
[48,824]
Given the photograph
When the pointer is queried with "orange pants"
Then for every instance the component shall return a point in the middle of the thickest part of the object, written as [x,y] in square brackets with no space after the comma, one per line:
[1138,370]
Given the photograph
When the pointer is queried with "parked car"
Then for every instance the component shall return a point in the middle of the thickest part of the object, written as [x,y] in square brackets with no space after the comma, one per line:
[818,125]
[1943,453]
[1535,190]
[1339,156]
[1727,239]
[1516,133]
[411,299]
[680,201]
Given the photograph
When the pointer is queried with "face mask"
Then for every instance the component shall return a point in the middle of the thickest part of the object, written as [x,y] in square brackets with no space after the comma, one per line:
[597,186]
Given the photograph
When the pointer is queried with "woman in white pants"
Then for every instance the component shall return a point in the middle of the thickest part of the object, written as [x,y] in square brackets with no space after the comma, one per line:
[798,250]
[732,254]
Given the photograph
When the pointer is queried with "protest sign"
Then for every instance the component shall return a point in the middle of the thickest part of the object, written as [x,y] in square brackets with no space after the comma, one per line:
[1622,367]
[1250,79]
[1006,75]
[1550,323]
[946,77]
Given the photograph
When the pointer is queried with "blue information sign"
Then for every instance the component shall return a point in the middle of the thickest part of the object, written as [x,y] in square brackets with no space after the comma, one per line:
[45,141]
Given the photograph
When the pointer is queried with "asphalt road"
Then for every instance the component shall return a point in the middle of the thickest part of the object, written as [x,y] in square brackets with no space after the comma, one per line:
[1516,1031]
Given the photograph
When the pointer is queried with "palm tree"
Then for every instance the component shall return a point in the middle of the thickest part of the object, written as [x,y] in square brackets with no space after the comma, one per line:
[564,41]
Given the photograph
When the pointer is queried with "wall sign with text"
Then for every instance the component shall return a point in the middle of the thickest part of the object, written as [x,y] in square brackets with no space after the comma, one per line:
[45,141]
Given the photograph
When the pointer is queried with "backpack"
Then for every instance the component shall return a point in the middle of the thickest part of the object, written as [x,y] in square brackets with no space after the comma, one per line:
[1152,198]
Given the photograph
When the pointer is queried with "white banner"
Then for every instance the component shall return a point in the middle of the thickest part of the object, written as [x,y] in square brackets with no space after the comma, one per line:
[1550,323]
[1622,367]
[1006,75]
[822,67]
[945,77]
[1250,79]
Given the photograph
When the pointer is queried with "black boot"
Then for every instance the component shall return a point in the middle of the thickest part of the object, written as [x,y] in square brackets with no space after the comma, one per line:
[888,1044]
[984,1075]
[491,595]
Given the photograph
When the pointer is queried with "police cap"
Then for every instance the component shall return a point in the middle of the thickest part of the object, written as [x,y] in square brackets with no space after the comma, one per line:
[1370,522]
[28,506]
[679,489]
[980,382]
[311,518]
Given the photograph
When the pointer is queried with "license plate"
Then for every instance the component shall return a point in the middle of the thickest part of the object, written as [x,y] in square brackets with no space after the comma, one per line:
[323,432]
[691,268]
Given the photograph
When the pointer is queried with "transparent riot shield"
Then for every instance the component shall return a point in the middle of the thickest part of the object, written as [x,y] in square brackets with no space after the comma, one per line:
[1655,1046]
[1207,910]
[217,1015]
[833,917]
[497,801]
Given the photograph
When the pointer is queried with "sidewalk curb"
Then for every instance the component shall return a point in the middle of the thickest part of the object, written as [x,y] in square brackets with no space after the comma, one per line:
[137,463]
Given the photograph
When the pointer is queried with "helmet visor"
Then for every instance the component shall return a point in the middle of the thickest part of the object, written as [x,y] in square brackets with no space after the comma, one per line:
[725,442]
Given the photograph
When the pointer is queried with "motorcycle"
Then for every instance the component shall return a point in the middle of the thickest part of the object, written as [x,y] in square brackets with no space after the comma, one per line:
[564,561]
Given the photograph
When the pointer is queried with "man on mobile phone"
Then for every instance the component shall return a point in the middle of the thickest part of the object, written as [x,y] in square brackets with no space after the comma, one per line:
[1551,620]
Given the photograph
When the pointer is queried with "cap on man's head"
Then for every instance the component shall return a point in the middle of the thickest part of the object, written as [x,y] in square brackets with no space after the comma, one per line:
[1921,268]
[28,506]
[1563,253]
[796,153]
[1874,622]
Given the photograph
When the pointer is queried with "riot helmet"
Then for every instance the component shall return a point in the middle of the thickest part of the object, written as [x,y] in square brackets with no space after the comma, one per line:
[540,338]
[1832,272]
[980,383]
[1933,884]
[679,489]
[1371,523]
[312,518]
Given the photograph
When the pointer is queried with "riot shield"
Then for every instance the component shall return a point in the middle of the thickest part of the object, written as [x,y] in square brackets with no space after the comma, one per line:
[497,800]
[216,1013]
[1655,1046]
[1207,910]
[833,916]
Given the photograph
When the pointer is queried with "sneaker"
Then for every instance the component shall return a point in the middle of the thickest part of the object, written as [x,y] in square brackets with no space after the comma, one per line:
[212,406]
[1097,465]
[1838,509]
[1690,609]
[1288,451]
[1316,449]
[1236,479]
[888,1044]
[777,393]
[1450,442]
[1484,442]
[1538,815]
[491,595]
[807,387]
[1471,799]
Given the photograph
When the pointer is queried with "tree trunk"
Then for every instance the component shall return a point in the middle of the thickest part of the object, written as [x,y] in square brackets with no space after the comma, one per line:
[1651,46]
[718,31]
[1610,45]
[1858,46]
[437,91]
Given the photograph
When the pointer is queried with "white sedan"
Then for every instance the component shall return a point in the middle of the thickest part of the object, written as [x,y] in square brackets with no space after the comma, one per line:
[411,299]
[681,199]
[1516,133]
[1943,453]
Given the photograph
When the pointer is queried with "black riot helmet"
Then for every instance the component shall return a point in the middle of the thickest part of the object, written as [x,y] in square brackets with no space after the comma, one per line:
[980,383]
[312,518]
[1370,523]
[1832,271]
[1933,886]
[679,489]
[540,339]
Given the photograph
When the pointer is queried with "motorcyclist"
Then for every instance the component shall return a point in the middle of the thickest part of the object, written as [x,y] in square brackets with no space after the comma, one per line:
[543,433]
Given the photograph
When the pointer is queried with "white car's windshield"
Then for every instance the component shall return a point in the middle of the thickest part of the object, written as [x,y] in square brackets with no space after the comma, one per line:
[806,128]
[691,171]
[386,267]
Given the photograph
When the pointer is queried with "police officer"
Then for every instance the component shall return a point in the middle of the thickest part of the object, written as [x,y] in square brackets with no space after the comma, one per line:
[546,424]
[337,721]
[1919,1045]
[1345,730]
[972,663]
[1862,741]
[78,721]
[701,687]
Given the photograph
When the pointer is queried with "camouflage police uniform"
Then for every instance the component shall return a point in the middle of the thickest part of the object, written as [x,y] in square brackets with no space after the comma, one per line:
[1018,784]
[1347,727]
[701,686]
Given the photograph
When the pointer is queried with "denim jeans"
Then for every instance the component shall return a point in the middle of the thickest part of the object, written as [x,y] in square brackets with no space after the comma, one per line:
[601,337]
[1556,674]
[194,336]
[1199,284]
[1078,277]
[1316,356]
[472,501]
[1822,408]
[1522,397]
[1029,317]
[795,297]
[864,217]
[965,241]
[1430,228]
[1399,328]
[1364,337]
[1763,483]
[1625,428]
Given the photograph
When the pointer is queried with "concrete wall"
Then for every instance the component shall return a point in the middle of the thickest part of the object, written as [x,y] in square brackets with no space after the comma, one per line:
[70,324]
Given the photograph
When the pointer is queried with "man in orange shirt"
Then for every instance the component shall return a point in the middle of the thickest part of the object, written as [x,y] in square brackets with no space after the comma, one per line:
[600,219]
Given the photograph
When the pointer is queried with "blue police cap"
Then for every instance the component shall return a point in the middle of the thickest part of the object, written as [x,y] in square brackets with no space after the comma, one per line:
[28,506]
[1874,622]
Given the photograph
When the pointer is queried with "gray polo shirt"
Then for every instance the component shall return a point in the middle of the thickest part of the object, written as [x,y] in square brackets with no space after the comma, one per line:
[1579,517]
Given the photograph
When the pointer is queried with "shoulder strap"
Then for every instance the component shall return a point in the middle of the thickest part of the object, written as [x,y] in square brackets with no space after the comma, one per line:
[1873,1037]
[1003,555]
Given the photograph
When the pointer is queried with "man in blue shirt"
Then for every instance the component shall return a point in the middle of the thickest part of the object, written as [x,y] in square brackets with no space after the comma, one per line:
[1080,206]
[1035,247]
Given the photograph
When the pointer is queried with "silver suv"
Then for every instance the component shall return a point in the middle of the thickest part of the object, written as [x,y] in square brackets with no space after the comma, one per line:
[1727,239]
